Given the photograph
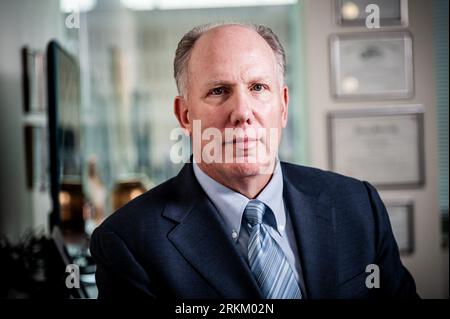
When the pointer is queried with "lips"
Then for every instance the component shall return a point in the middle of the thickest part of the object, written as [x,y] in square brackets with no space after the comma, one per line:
[243,140]
[244,143]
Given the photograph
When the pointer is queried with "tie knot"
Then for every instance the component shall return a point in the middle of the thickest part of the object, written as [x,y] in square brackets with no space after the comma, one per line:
[254,212]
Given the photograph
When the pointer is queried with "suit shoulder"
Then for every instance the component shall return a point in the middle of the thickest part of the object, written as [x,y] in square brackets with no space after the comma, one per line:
[321,180]
[316,173]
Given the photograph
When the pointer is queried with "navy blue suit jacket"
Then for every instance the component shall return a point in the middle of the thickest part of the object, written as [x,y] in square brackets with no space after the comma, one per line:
[171,242]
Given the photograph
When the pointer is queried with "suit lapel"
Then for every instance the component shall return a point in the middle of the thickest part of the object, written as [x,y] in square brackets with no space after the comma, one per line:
[201,239]
[313,223]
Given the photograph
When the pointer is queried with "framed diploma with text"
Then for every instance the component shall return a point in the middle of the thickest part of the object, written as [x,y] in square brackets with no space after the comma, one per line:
[375,65]
[402,221]
[382,146]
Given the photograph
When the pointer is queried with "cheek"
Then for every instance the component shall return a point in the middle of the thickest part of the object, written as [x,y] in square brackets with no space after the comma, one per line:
[271,114]
[210,117]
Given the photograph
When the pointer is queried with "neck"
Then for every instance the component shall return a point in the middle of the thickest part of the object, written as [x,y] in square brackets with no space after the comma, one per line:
[249,185]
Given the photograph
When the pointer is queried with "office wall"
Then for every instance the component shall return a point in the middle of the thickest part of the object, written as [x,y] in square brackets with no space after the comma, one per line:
[33,23]
[426,262]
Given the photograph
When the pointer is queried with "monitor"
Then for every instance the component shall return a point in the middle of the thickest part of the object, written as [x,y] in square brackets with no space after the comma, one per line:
[64,122]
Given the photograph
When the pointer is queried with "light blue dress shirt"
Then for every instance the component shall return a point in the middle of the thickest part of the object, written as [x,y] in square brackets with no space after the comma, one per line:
[231,205]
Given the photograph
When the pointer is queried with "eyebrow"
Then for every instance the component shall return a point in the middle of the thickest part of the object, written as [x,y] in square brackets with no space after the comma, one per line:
[214,83]
[217,83]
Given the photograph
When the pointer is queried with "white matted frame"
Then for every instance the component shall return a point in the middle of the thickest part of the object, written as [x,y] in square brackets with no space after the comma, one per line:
[401,216]
[353,12]
[384,146]
[372,65]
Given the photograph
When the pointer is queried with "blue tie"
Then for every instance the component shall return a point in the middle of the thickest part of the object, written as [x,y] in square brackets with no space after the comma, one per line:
[267,261]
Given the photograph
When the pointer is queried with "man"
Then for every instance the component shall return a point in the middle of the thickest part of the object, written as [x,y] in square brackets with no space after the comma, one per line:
[252,226]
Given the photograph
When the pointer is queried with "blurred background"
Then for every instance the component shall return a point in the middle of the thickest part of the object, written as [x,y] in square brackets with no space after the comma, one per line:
[86,97]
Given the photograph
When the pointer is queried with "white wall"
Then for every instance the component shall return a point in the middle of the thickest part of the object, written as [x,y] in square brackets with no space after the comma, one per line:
[426,263]
[32,23]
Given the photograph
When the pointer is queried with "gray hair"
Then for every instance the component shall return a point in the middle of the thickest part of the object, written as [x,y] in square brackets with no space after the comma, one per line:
[186,44]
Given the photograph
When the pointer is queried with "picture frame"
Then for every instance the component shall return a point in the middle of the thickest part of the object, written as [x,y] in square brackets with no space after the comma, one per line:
[372,65]
[401,216]
[384,146]
[33,80]
[36,157]
[351,13]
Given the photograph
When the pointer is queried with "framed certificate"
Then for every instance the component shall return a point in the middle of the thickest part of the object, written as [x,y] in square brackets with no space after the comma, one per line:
[36,157]
[353,12]
[33,80]
[377,65]
[402,222]
[382,146]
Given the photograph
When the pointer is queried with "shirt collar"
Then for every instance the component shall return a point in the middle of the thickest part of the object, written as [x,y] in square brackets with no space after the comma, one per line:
[231,204]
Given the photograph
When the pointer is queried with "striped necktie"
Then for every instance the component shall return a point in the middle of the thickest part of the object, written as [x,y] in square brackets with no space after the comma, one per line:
[267,261]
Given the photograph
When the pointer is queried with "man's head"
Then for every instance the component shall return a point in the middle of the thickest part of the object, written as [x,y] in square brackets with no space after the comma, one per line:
[188,41]
[231,76]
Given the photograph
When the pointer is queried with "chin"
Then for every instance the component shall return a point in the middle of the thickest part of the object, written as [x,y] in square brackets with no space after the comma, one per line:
[242,169]
[245,169]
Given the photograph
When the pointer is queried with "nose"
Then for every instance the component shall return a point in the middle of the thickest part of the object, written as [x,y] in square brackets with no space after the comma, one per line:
[241,112]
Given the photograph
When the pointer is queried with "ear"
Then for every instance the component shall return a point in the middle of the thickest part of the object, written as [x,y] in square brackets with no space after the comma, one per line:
[284,106]
[181,111]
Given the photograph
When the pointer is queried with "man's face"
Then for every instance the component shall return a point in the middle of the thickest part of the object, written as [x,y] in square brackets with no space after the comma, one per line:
[234,83]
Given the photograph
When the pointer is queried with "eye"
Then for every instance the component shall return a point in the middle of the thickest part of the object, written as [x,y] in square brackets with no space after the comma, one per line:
[258,87]
[217,91]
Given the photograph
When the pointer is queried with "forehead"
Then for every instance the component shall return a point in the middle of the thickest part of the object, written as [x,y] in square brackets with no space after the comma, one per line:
[228,50]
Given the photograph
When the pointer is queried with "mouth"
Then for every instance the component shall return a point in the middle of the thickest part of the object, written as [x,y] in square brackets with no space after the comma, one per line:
[244,143]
